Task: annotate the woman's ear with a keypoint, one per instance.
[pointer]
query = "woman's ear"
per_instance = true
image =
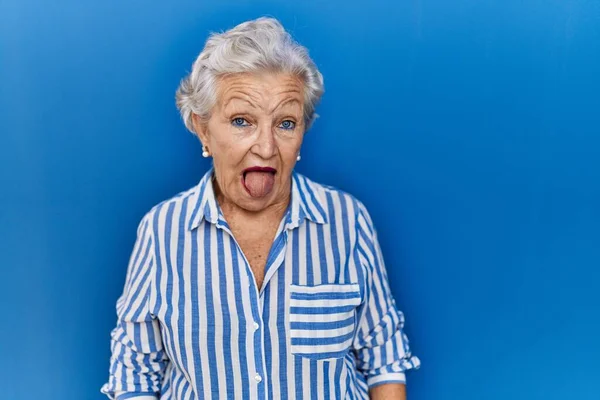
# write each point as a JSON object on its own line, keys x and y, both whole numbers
{"x": 201, "y": 128}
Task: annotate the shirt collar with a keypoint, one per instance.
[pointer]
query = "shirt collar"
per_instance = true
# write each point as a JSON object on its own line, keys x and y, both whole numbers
{"x": 307, "y": 202}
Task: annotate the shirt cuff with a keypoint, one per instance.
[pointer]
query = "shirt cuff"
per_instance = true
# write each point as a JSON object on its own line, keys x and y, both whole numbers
{"x": 388, "y": 377}
{"x": 136, "y": 396}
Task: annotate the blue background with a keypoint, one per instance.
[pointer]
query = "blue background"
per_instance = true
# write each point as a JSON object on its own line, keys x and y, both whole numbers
{"x": 470, "y": 129}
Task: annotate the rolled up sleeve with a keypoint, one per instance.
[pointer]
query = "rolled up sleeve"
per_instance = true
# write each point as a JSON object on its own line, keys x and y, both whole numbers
{"x": 380, "y": 345}
{"x": 138, "y": 360}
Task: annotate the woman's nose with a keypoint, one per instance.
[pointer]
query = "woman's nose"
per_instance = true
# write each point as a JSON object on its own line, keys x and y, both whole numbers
{"x": 265, "y": 142}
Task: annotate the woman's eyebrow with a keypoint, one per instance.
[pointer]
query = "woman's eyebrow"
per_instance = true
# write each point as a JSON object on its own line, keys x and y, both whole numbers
{"x": 285, "y": 102}
{"x": 241, "y": 98}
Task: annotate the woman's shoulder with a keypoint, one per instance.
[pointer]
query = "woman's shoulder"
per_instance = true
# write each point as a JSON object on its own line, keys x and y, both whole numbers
{"x": 172, "y": 204}
{"x": 335, "y": 199}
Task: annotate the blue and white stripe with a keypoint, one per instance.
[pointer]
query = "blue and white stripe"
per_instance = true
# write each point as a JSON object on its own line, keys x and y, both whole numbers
{"x": 192, "y": 323}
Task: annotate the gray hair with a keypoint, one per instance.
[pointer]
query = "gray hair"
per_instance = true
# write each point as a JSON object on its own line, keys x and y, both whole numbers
{"x": 252, "y": 46}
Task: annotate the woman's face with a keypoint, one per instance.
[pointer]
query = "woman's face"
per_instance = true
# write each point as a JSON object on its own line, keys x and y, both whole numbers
{"x": 254, "y": 135}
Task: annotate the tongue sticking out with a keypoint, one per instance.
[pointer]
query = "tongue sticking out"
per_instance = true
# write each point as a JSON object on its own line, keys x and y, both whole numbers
{"x": 259, "y": 184}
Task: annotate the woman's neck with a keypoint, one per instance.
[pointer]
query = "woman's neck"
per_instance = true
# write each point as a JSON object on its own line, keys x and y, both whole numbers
{"x": 233, "y": 212}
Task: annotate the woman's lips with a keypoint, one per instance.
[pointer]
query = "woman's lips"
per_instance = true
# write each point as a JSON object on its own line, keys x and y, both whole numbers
{"x": 259, "y": 181}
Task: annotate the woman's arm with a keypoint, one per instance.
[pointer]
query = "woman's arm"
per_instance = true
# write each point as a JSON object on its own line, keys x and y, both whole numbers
{"x": 380, "y": 345}
{"x": 388, "y": 391}
{"x": 138, "y": 360}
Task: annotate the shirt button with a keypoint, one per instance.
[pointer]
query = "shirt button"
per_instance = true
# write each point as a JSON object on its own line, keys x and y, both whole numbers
{"x": 256, "y": 326}
{"x": 258, "y": 378}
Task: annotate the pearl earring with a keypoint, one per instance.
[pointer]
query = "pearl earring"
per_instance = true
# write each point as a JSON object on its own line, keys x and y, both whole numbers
{"x": 298, "y": 158}
{"x": 205, "y": 152}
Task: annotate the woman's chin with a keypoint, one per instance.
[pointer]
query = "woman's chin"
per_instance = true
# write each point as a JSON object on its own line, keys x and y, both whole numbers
{"x": 255, "y": 204}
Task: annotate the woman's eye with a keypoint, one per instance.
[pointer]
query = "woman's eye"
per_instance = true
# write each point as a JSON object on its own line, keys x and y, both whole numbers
{"x": 239, "y": 122}
{"x": 287, "y": 124}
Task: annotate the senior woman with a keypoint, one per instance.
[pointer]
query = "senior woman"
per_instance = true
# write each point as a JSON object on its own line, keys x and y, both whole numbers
{"x": 257, "y": 283}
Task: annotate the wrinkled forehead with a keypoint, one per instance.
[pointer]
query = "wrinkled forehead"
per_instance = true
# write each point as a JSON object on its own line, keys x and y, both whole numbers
{"x": 266, "y": 91}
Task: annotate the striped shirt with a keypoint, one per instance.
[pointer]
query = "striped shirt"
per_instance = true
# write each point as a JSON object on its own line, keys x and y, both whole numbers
{"x": 192, "y": 323}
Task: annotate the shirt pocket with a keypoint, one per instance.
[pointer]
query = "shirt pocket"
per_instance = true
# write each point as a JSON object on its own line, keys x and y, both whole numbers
{"x": 323, "y": 319}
